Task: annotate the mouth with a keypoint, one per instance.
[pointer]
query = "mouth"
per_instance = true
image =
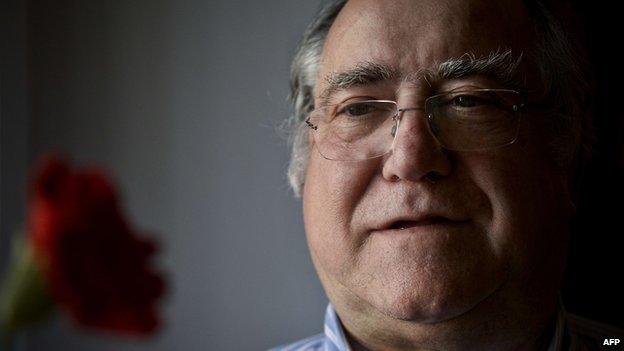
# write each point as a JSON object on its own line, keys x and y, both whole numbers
{"x": 419, "y": 223}
{"x": 405, "y": 224}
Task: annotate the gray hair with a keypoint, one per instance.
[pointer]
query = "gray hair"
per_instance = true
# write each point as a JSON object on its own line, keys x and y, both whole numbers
{"x": 561, "y": 63}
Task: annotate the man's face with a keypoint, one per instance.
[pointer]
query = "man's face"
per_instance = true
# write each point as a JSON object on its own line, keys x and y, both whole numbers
{"x": 491, "y": 221}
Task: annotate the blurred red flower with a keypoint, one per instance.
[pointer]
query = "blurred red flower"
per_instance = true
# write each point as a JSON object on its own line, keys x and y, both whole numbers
{"x": 95, "y": 265}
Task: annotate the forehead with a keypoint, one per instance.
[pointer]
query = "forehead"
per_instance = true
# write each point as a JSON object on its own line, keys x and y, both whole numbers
{"x": 411, "y": 35}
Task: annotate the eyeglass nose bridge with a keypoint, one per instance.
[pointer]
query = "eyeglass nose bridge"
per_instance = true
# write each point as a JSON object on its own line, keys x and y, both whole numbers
{"x": 399, "y": 115}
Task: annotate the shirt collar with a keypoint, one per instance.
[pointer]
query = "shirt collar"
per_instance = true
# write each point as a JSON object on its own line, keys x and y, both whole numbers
{"x": 556, "y": 343}
{"x": 335, "y": 339}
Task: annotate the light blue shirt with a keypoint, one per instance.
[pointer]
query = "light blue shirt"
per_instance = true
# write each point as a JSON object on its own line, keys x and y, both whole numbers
{"x": 332, "y": 339}
{"x": 570, "y": 334}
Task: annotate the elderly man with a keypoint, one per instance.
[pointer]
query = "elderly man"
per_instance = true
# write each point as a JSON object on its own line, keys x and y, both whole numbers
{"x": 435, "y": 151}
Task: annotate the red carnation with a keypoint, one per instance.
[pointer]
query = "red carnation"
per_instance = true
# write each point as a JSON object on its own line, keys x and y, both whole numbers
{"x": 94, "y": 264}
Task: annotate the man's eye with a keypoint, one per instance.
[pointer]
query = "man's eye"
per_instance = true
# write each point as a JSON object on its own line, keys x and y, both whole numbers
{"x": 468, "y": 101}
{"x": 359, "y": 109}
{"x": 474, "y": 100}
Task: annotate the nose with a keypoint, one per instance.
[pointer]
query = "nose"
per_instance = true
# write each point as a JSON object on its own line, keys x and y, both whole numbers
{"x": 416, "y": 155}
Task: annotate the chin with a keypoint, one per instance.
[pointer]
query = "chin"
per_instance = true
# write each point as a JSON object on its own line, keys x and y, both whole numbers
{"x": 432, "y": 311}
{"x": 438, "y": 302}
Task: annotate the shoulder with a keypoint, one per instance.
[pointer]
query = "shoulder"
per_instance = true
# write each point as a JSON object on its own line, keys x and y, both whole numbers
{"x": 312, "y": 343}
{"x": 586, "y": 334}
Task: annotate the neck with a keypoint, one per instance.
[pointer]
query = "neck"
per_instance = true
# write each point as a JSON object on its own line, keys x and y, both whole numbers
{"x": 539, "y": 343}
{"x": 499, "y": 322}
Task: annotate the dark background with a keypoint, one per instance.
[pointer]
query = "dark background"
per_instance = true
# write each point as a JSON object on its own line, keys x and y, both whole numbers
{"x": 592, "y": 285}
{"x": 179, "y": 101}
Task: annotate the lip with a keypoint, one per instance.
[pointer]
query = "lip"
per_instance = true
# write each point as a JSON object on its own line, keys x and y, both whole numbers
{"x": 421, "y": 221}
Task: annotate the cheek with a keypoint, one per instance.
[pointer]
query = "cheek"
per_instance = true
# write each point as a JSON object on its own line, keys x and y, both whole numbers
{"x": 505, "y": 223}
{"x": 331, "y": 192}
{"x": 525, "y": 198}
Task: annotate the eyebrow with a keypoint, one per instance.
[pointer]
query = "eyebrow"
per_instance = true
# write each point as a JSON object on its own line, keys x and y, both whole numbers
{"x": 364, "y": 73}
{"x": 501, "y": 67}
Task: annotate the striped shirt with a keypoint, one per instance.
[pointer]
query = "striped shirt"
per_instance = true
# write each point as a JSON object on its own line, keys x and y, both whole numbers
{"x": 332, "y": 339}
{"x": 572, "y": 333}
